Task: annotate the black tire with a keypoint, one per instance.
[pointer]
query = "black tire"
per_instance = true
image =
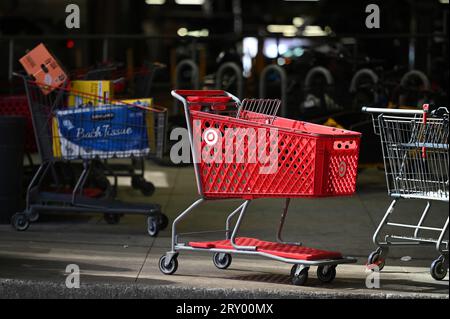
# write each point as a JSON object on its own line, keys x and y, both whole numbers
{"x": 153, "y": 227}
{"x": 222, "y": 260}
{"x": 326, "y": 274}
{"x": 171, "y": 268}
{"x": 301, "y": 278}
{"x": 376, "y": 259}
{"x": 147, "y": 188}
{"x": 163, "y": 222}
{"x": 20, "y": 222}
{"x": 33, "y": 217}
{"x": 136, "y": 182}
{"x": 112, "y": 219}
{"x": 438, "y": 269}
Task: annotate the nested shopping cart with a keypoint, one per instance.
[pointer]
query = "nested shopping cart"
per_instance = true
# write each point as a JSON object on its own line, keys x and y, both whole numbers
{"x": 96, "y": 128}
{"x": 415, "y": 152}
{"x": 137, "y": 82}
{"x": 229, "y": 140}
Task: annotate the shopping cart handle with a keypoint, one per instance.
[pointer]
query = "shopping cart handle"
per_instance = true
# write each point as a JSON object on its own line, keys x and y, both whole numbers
{"x": 182, "y": 95}
{"x": 390, "y": 111}
{"x": 187, "y": 93}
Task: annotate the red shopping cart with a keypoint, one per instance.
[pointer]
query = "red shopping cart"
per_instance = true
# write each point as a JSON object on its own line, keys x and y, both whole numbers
{"x": 242, "y": 150}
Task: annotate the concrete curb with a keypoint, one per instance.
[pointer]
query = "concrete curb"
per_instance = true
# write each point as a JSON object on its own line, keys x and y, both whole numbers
{"x": 26, "y": 289}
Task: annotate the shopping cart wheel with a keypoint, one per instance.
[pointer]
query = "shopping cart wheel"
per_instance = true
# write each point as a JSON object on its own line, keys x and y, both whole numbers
{"x": 301, "y": 278}
{"x": 438, "y": 268}
{"x": 112, "y": 219}
{"x": 33, "y": 216}
{"x": 20, "y": 221}
{"x": 169, "y": 269}
{"x": 153, "y": 226}
{"x": 327, "y": 273}
{"x": 146, "y": 188}
{"x": 163, "y": 222}
{"x": 377, "y": 258}
{"x": 222, "y": 260}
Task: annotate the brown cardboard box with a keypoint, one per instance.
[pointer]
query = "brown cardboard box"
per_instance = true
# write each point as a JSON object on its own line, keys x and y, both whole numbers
{"x": 43, "y": 68}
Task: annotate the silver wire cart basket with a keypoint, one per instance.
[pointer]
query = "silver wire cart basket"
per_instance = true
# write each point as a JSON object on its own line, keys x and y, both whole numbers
{"x": 415, "y": 153}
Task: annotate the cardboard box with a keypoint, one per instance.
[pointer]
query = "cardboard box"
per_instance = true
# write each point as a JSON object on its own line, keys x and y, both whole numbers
{"x": 91, "y": 93}
{"x": 43, "y": 68}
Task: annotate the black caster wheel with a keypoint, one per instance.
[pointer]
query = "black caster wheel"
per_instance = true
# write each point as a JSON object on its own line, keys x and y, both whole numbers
{"x": 169, "y": 269}
{"x": 112, "y": 219}
{"x": 33, "y": 217}
{"x": 147, "y": 188}
{"x": 20, "y": 222}
{"x": 153, "y": 226}
{"x": 136, "y": 182}
{"x": 163, "y": 222}
{"x": 326, "y": 274}
{"x": 301, "y": 278}
{"x": 377, "y": 258}
{"x": 222, "y": 260}
{"x": 438, "y": 269}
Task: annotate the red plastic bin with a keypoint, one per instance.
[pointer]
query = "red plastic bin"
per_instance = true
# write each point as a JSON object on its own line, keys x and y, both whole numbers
{"x": 312, "y": 160}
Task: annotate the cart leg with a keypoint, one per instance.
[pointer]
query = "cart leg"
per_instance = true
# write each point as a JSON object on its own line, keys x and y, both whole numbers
{"x": 228, "y": 228}
{"x": 37, "y": 180}
{"x": 236, "y": 229}
{"x": 439, "y": 248}
{"x": 81, "y": 181}
{"x": 174, "y": 227}
{"x": 422, "y": 219}
{"x": 383, "y": 222}
{"x": 378, "y": 256}
{"x": 280, "y": 227}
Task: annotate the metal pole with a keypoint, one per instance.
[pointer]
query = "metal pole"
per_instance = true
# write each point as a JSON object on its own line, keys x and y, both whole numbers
{"x": 412, "y": 39}
{"x": 105, "y": 50}
{"x": 237, "y": 14}
{"x": 11, "y": 60}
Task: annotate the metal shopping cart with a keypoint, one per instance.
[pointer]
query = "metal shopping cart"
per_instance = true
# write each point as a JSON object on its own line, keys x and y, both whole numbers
{"x": 76, "y": 127}
{"x": 415, "y": 152}
{"x": 305, "y": 160}
{"x": 138, "y": 83}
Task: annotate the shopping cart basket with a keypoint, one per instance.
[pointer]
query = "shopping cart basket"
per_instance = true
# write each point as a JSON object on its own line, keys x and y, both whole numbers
{"x": 415, "y": 152}
{"x": 138, "y": 83}
{"x": 306, "y": 160}
{"x": 95, "y": 128}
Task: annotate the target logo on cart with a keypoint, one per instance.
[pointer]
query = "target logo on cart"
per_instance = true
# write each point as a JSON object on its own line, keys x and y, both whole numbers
{"x": 211, "y": 137}
{"x": 342, "y": 169}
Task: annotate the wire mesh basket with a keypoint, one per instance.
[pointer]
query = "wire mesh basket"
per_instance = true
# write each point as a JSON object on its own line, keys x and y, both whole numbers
{"x": 75, "y": 125}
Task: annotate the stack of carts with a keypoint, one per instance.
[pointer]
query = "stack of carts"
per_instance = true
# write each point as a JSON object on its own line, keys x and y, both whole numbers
{"x": 98, "y": 128}
{"x": 415, "y": 152}
{"x": 229, "y": 139}
{"x": 140, "y": 82}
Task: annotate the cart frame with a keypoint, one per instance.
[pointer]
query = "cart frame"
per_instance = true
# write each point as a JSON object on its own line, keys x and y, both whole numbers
{"x": 222, "y": 257}
{"x": 38, "y": 199}
{"x": 419, "y": 182}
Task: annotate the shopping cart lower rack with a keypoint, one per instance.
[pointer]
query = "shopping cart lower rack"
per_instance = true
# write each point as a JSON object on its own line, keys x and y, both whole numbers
{"x": 415, "y": 151}
{"x": 69, "y": 136}
{"x": 242, "y": 150}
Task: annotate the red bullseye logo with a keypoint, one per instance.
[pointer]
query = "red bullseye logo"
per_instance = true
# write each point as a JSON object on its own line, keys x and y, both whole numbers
{"x": 342, "y": 169}
{"x": 211, "y": 137}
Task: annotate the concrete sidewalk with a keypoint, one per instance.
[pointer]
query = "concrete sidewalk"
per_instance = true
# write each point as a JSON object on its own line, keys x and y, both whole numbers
{"x": 121, "y": 260}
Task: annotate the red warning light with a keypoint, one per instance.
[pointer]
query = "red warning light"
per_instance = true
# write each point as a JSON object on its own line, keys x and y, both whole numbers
{"x": 70, "y": 44}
